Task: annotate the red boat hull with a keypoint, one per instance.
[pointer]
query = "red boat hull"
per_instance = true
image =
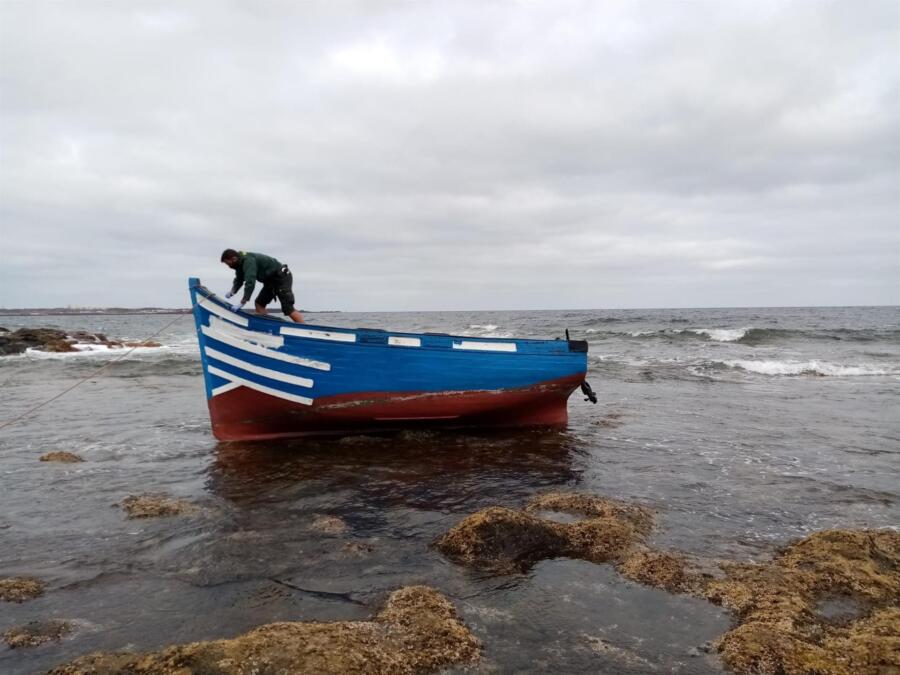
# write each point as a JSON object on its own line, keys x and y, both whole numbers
{"x": 245, "y": 414}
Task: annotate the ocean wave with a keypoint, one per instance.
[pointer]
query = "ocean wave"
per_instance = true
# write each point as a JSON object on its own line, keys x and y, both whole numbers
{"x": 756, "y": 336}
{"x": 816, "y": 368}
{"x": 721, "y": 334}
{"x": 748, "y": 335}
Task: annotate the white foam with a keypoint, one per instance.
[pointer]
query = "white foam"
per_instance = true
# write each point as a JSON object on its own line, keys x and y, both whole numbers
{"x": 773, "y": 367}
{"x": 721, "y": 334}
{"x": 92, "y": 350}
{"x": 484, "y": 330}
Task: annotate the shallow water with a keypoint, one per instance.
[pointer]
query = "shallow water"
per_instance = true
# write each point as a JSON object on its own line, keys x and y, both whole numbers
{"x": 743, "y": 428}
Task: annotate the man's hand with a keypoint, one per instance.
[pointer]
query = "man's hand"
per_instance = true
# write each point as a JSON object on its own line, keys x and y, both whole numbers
{"x": 236, "y": 307}
{"x": 229, "y": 294}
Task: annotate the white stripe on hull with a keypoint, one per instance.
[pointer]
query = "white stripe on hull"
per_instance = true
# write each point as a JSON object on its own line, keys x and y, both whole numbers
{"x": 212, "y": 307}
{"x": 225, "y": 387}
{"x": 260, "y": 338}
{"x": 263, "y": 351}
{"x": 485, "y": 346}
{"x": 397, "y": 341}
{"x": 260, "y": 387}
{"x": 258, "y": 370}
{"x": 319, "y": 334}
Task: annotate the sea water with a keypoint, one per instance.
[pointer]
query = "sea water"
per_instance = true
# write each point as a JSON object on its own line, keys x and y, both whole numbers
{"x": 743, "y": 428}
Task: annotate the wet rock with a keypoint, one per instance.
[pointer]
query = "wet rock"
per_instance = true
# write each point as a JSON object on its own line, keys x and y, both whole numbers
{"x": 358, "y": 440}
{"x": 54, "y": 340}
{"x": 418, "y": 631}
{"x": 18, "y": 341}
{"x": 780, "y": 629}
{"x": 155, "y": 506}
{"x": 670, "y": 571}
{"x": 828, "y": 604}
{"x": 507, "y": 540}
{"x": 357, "y": 548}
{"x": 503, "y": 540}
{"x": 61, "y": 456}
{"x": 329, "y": 525}
{"x": 593, "y": 506}
{"x": 20, "y": 589}
{"x": 37, "y": 633}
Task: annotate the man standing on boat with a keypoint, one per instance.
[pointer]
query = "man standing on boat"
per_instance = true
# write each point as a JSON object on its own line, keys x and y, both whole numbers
{"x": 276, "y": 279}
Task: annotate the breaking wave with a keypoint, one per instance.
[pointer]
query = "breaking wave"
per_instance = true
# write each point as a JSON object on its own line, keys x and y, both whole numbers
{"x": 815, "y": 368}
{"x": 89, "y": 351}
{"x": 721, "y": 334}
{"x": 484, "y": 330}
{"x": 754, "y": 336}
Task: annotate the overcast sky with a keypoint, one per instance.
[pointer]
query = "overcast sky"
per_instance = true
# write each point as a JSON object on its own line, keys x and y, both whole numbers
{"x": 453, "y": 155}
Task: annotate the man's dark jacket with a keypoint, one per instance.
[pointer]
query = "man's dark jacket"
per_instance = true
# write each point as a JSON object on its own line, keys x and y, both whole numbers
{"x": 254, "y": 267}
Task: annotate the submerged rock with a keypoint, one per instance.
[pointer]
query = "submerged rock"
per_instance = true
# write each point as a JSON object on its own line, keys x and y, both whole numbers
{"x": 625, "y": 657}
{"x": 357, "y": 548}
{"x": 20, "y": 589}
{"x": 61, "y": 456}
{"x": 155, "y": 506}
{"x": 611, "y": 421}
{"x": 418, "y": 631}
{"x": 502, "y": 539}
{"x": 329, "y": 525}
{"x": 670, "y": 571}
{"x": 37, "y": 633}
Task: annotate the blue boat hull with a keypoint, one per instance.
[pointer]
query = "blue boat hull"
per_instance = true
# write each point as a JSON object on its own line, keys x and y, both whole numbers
{"x": 267, "y": 378}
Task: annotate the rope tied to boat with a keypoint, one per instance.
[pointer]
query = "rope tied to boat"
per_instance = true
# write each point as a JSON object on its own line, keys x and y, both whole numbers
{"x": 93, "y": 374}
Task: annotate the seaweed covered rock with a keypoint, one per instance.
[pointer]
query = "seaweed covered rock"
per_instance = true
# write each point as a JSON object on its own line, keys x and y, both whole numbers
{"x": 61, "y": 456}
{"x": 155, "y": 506}
{"x": 20, "y": 589}
{"x": 502, "y": 539}
{"x": 416, "y": 632}
{"x": 782, "y": 628}
{"x": 36, "y": 633}
{"x": 670, "y": 571}
{"x": 828, "y": 604}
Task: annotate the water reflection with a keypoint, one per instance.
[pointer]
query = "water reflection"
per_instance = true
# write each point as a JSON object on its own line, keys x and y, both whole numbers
{"x": 441, "y": 471}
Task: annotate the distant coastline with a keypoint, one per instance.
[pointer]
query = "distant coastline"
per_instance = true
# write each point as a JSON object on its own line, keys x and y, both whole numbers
{"x": 90, "y": 311}
{"x": 110, "y": 311}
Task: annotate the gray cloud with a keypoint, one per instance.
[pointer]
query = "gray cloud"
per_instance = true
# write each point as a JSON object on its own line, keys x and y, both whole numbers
{"x": 453, "y": 155}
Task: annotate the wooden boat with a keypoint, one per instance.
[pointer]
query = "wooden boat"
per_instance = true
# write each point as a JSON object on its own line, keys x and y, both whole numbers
{"x": 270, "y": 378}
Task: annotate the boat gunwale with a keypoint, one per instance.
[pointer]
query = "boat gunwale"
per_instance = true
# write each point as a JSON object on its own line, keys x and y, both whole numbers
{"x": 279, "y": 322}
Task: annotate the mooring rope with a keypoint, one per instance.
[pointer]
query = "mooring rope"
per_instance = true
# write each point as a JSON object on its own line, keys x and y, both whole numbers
{"x": 88, "y": 377}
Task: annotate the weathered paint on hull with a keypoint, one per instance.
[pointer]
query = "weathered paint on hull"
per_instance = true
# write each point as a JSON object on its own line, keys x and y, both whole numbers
{"x": 245, "y": 414}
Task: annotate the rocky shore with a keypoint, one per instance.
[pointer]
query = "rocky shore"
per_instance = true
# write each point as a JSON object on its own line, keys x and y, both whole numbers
{"x": 828, "y": 604}
{"x": 418, "y": 631}
{"x": 55, "y": 340}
